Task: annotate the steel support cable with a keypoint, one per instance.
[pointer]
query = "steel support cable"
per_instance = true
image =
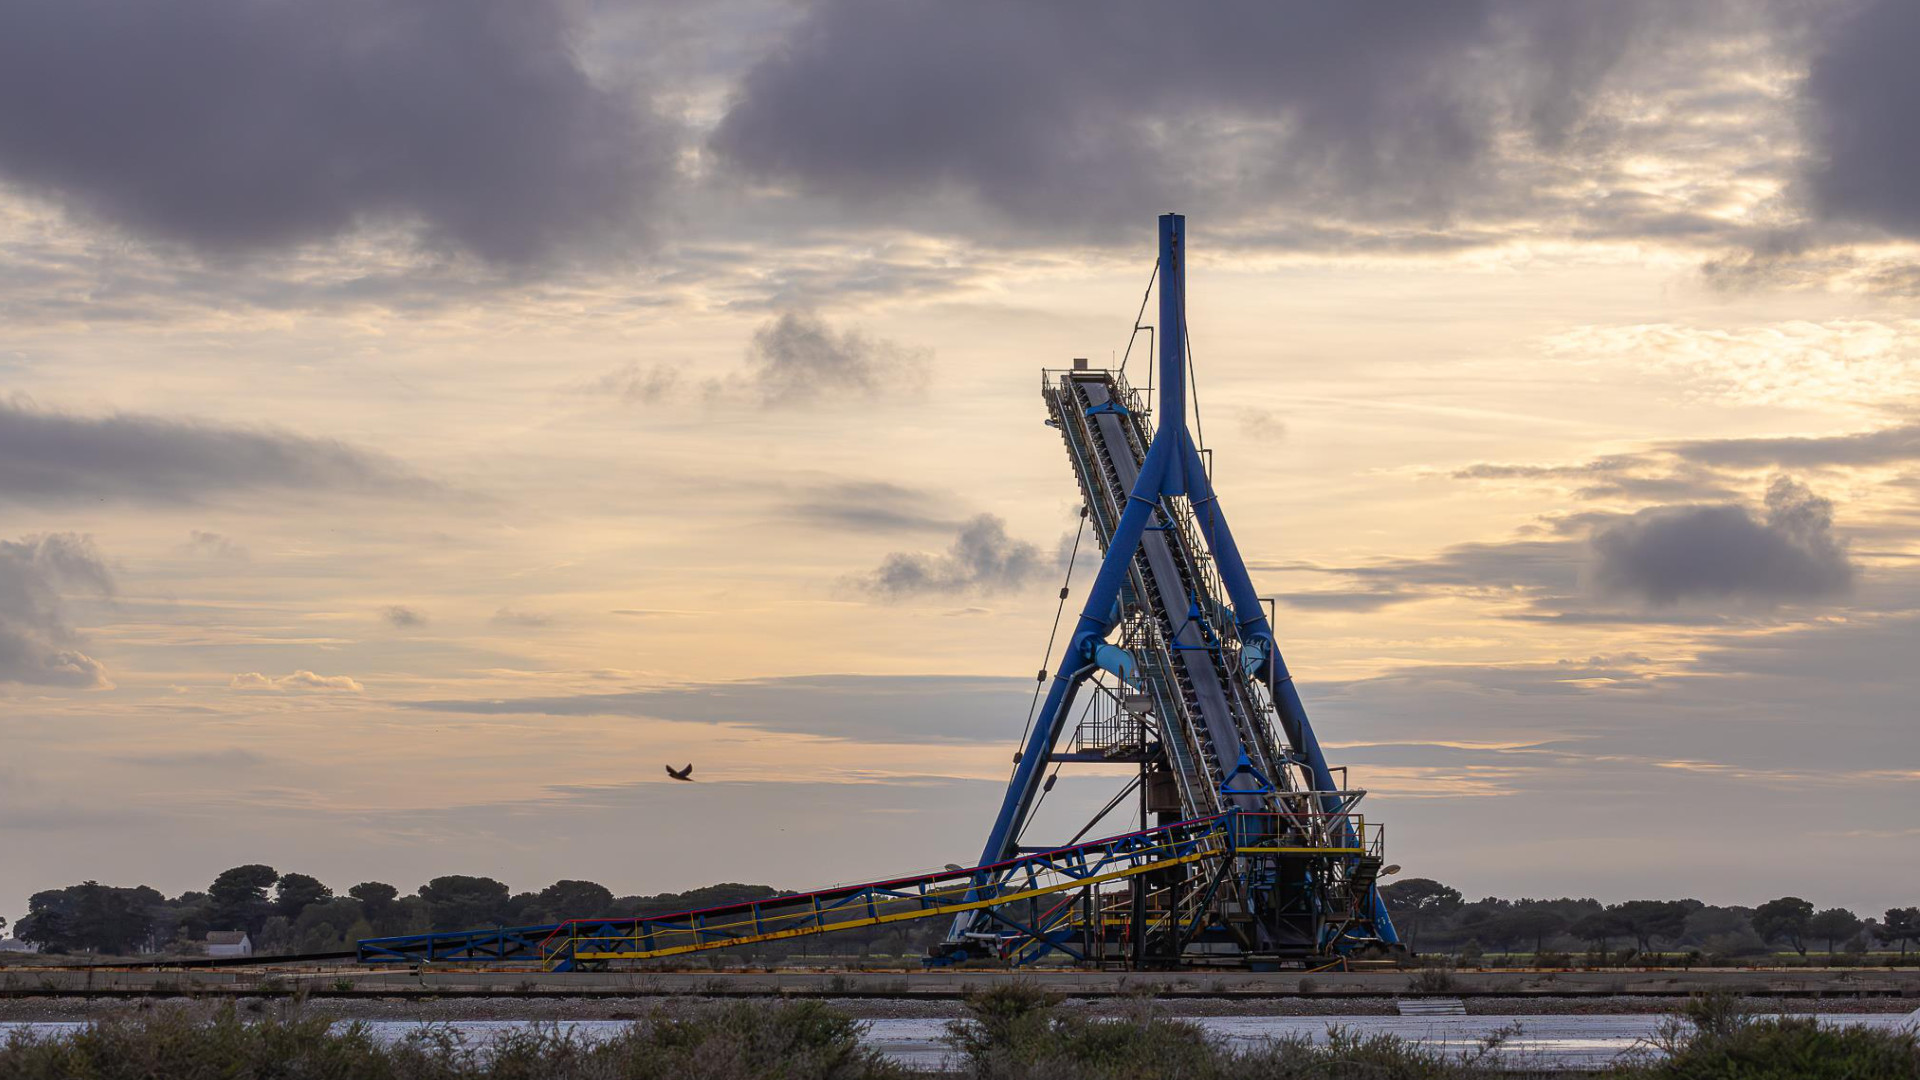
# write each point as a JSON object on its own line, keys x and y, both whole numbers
{"x": 1052, "y": 635}
{"x": 1139, "y": 315}
{"x": 1193, "y": 387}
{"x": 1045, "y": 790}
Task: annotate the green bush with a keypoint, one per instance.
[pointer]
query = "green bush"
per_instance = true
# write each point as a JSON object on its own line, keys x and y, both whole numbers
{"x": 1797, "y": 1048}
{"x": 1014, "y": 1032}
{"x": 1432, "y": 980}
{"x": 792, "y": 1041}
{"x": 1018, "y": 1033}
{"x": 1350, "y": 1055}
{"x": 1717, "y": 1037}
{"x": 170, "y": 1043}
{"x": 804, "y": 1041}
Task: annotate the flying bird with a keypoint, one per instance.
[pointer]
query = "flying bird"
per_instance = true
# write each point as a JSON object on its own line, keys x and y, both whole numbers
{"x": 681, "y": 774}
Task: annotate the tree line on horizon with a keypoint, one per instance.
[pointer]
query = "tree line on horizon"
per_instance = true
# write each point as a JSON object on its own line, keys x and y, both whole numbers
{"x": 1436, "y": 918}
{"x": 297, "y": 913}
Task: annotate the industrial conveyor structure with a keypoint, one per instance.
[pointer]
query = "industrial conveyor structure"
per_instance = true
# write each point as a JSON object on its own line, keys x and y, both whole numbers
{"x": 1175, "y": 667}
{"x": 1246, "y": 852}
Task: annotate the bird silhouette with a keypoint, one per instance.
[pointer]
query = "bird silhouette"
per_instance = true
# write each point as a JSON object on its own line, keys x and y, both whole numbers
{"x": 681, "y": 774}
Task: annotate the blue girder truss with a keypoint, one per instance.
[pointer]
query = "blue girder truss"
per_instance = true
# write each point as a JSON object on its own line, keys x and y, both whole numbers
{"x": 1001, "y": 888}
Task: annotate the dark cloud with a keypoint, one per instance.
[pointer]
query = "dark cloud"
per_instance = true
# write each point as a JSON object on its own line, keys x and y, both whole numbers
{"x": 1611, "y": 618}
{"x": 55, "y": 458}
{"x": 982, "y": 558}
{"x": 524, "y": 620}
{"x": 1489, "y": 470}
{"x": 638, "y": 384}
{"x": 403, "y": 617}
{"x": 1880, "y": 447}
{"x": 1264, "y": 425}
{"x": 1347, "y": 601}
{"x": 1677, "y": 553}
{"x": 797, "y": 357}
{"x": 213, "y": 545}
{"x": 1512, "y": 567}
{"x": 1063, "y": 117}
{"x": 36, "y": 641}
{"x": 1743, "y": 698}
{"x": 902, "y": 708}
{"x": 245, "y": 125}
{"x": 1863, "y": 90}
{"x": 1667, "y": 488}
{"x": 1704, "y": 470}
{"x": 1634, "y": 477}
{"x": 1590, "y": 563}
{"x": 868, "y": 506}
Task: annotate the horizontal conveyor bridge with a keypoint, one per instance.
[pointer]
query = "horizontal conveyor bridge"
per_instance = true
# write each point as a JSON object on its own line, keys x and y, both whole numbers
{"x": 1006, "y": 890}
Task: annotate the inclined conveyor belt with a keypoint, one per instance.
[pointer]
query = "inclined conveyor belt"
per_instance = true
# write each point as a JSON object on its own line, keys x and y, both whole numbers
{"x": 1206, "y": 692}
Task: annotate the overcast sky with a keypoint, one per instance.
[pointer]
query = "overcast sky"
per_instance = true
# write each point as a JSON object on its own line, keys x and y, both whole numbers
{"x": 421, "y": 420}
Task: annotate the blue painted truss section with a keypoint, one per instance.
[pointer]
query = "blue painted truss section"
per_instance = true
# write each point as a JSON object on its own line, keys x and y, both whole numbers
{"x": 1018, "y": 895}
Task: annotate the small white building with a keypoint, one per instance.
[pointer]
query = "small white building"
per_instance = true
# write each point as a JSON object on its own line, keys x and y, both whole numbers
{"x": 229, "y": 943}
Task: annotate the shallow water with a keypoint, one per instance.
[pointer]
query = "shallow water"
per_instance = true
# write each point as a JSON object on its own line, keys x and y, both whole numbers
{"x": 1543, "y": 1041}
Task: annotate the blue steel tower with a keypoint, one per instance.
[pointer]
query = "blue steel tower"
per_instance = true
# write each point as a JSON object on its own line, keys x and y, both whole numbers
{"x": 1188, "y": 683}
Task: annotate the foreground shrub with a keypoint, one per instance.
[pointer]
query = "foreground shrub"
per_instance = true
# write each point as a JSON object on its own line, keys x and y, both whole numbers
{"x": 1013, "y": 1032}
{"x": 804, "y": 1041}
{"x": 1019, "y": 1033}
{"x": 1433, "y": 980}
{"x": 1007, "y": 1026}
{"x": 797, "y": 1041}
{"x": 1717, "y": 1036}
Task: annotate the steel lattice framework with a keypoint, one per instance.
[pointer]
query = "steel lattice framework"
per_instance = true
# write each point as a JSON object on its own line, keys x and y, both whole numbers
{"x": 1190, "y": 683}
